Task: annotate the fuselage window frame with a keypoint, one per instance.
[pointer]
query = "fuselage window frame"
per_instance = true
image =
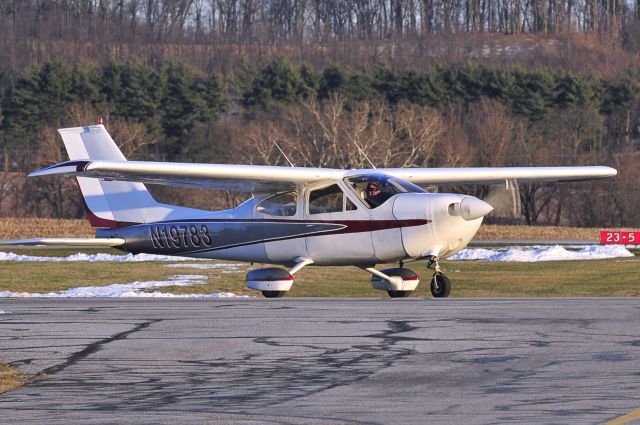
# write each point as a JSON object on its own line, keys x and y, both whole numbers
{"x": 279, "y": 209}
{"x": 325, "y": 211}
{"x": 350, "y": 204}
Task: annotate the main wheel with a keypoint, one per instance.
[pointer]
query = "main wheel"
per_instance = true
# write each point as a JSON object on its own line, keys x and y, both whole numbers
{"x": 440, "y": 285}
{"x": 273, "y": 294}
{"x": 399, "y": 294}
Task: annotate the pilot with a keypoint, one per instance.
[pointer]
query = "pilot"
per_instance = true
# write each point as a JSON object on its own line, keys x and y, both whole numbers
{"x": 374, "y": 195}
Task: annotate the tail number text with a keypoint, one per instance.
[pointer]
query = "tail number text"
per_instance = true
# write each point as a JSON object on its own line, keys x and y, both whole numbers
{"x": 180, "y": 236}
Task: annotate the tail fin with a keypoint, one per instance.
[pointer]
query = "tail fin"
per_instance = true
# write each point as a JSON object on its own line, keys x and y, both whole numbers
{"x": 114, "y": 203}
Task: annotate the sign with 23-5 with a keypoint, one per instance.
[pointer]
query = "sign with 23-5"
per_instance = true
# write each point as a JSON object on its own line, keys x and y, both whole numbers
{"x": 615, "y": 237}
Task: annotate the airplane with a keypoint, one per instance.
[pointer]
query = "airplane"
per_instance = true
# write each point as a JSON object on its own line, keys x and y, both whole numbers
{"x": 296, "y": 216}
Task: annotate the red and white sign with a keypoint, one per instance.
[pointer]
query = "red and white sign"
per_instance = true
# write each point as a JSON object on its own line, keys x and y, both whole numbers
{"x": 615, "y": 237}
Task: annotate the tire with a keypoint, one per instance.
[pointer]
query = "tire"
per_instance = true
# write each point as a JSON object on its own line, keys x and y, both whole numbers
{"x": 273, "y": 294}
{"x": 440, "y": 286}
{"x": 399, "y": 294}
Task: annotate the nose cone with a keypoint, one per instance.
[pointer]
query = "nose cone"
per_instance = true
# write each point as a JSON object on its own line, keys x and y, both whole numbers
{"x": 472, "y": 208}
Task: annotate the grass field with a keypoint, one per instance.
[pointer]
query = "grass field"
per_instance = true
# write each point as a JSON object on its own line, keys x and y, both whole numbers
{"x": 10, "y": 378}
{"x": 612, "y": 277}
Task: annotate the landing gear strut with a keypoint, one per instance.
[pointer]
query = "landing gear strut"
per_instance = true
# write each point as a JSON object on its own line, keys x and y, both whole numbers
{"x": 440, "y": 284}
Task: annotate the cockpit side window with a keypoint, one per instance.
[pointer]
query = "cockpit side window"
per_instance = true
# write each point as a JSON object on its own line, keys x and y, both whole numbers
{"x": 326, "y": 200}
{"x": 281, "y": 204}
{"x": 376, "y": 189}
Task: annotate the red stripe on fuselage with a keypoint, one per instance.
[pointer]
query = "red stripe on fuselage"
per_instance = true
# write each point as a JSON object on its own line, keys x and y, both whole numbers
{"x": 351, "y": 226}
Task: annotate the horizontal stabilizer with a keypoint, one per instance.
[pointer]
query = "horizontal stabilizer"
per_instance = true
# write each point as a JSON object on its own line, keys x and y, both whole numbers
{"x": 79, "y": 242}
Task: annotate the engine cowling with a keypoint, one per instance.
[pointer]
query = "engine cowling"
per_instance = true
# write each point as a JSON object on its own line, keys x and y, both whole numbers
{"x": 452, "y": 221}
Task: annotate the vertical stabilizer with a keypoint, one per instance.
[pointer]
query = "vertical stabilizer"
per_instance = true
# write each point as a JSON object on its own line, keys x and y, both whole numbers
{"x": 114, "y": 203}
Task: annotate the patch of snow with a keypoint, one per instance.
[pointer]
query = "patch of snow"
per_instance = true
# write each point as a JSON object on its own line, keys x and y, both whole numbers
{"x": 134, "y": 289}
{"x": 543, "y": 253}
{"x": 10, "y": 256}
{"x": 224, "y": 267}
{"x": 4, "y": 312}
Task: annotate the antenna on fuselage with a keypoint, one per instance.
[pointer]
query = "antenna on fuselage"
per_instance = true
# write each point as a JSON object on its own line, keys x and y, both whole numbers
{"x": 364, "y": 154}
{"x": 283, "y": 154}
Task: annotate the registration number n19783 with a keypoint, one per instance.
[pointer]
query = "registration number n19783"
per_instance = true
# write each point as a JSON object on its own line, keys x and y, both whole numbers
{"x": 180, "y": 236}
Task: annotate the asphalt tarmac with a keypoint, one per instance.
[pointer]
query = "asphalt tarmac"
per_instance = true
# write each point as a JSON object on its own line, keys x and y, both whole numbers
{"x": 323, "y": 361}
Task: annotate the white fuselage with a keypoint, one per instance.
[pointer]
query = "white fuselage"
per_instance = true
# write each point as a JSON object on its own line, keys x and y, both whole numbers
{"x": 405, "y": 227}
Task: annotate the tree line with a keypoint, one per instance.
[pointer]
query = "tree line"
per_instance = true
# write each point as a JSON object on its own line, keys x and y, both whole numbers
{"x": 219, "y": 35}
{"x": 448, "y": 115}
{"x": 308, "y": 20}
{"x": 172, "y": 99}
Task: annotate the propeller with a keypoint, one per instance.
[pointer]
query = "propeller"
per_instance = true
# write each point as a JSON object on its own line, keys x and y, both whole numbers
{"x": 472, "y": 208}
{"x": 505, "y": 199}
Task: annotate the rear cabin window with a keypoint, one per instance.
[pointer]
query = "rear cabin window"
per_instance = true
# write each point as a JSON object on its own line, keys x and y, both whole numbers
{"x": 326, "y": 200}
{"x": 282, "y": 204}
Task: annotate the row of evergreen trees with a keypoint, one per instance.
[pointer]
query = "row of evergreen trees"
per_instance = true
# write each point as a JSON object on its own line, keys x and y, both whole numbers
{"x": 171, "y": 99}
{"x": 530, "y": 93}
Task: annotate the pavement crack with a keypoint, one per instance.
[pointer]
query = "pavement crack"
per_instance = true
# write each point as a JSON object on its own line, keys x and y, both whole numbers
{"x": 322, "y": 367}
{"x": 88, "y": 350}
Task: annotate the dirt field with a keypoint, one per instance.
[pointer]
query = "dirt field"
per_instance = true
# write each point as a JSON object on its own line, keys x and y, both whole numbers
{"x": 20, "y": 228}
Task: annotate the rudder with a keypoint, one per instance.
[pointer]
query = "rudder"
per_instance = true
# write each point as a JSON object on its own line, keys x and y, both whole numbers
{"x": 114, "y": 203}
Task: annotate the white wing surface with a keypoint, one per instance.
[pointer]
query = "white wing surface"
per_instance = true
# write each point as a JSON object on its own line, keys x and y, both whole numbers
{"x": 424, "y": 176}
{"x": 258, "y": 178}
{"x": 243, "y": 178}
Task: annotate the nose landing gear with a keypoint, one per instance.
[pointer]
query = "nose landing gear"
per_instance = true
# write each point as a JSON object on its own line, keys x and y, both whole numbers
{"x": 440, "y": 284}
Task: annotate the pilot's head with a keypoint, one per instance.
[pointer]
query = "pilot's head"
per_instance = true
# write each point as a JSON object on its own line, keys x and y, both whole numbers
{"x": 373, "y": 188}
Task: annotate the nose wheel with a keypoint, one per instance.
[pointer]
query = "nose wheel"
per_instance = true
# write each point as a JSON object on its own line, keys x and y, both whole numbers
{"x": 440, "y": 284}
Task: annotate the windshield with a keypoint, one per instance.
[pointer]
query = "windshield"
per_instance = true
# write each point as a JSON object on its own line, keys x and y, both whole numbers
{"x": 376, "y": 189}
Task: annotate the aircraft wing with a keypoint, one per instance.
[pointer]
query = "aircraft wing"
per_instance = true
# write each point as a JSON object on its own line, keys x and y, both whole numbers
{"x": 243, "y": 178}
{"x": 488, "y": 175}
{"x": 259, "y": 178}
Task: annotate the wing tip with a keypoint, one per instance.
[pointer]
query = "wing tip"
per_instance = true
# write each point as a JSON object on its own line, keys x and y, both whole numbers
{"x": 66, "y": 167}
